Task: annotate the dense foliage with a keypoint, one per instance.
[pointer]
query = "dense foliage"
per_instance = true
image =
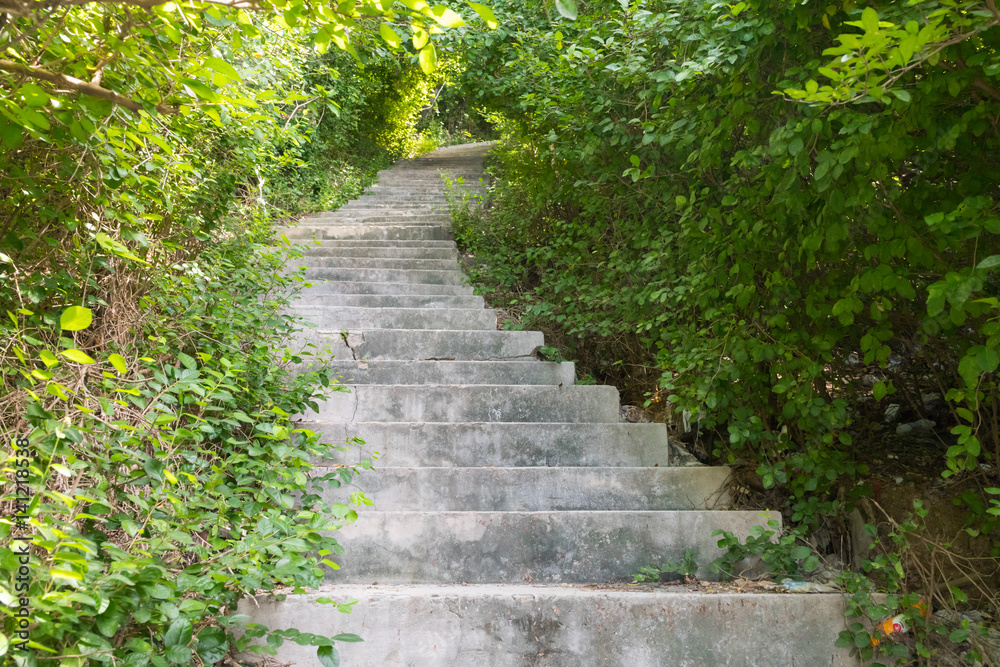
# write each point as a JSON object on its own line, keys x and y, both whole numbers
{"x": 145, "y": 397}
{"x": 790, "y": 211}
{"x": 768, "y": 252}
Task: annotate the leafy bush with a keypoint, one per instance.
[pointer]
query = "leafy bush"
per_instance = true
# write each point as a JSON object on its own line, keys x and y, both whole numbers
{"x": 145, "y": 390}
{"x": 766, "y": 251}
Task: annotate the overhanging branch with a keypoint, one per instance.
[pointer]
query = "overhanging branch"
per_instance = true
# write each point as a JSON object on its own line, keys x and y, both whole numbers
{"x": 84, "y": 87}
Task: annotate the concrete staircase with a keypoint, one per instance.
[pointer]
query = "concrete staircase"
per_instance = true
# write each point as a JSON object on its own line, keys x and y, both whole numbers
{"x": 511, "y": 505}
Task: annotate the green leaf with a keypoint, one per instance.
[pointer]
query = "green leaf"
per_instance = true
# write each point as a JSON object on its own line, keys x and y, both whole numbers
{"x": 187, "y": 361}
{"x": 179, "y": 655}
{"x": 118, "y": 361}
{"x": 567, "y": 8}
{"x": 958, "y": 635}
{"x": 390, "y": 36}
{"x": 987, "y": 358}
{"x": 486, "y": 14}
{"x": 77, "y": 356}
{"x": 178, "y": 634}
{"x": 222, "y": 67}
{"x": 989, "y": 262}
{"x": 428, "y": 59}
{"x": 869, "y": 20}
{"x": 446, "y": 16}
{"x": 347, "y": 637}
{"x": 76, "y": 318}
{"x": 329, "y": 656}
{"x": 198, "y": 89}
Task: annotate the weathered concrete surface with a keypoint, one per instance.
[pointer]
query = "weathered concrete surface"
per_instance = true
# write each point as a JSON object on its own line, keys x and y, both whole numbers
{"x": 469, "y": 403}
{"x": 537, "y": 489}
{"x": 503, "y": 444}
{"x": 425, "y": 344}
{"x": 350, "y": 318}
{"x": 385, "y": 371}
{"x": 563, "y": 626}
{"x": 387, "y": 232}
{"x": 431, "y": 277}
{"x": 396, "y": 252}
{"x": 379, "y": 263}
{"x": 377, "y": 243}
{"x": 390, "y": 300}
{"x": 319, "y": 287}
{"x": 526, "y": 547}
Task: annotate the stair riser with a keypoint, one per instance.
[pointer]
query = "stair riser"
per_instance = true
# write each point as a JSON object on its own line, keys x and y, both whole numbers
{"x": 351, "y": 319}
{"x": 454, "y": 372}
{"x": 526, "y": 547}
{"x": 384, "y": 253}
{"x": 394, "y": 220}
{"x": 492, "y": 626}
{"x": 320, "y": 287}
{"x": 429, "y": 277}
{"x": 378, "y": 263}
{"x": 543, "y": 489}
{"x": 372, "y": 232}
{"x": 503, "y": 445}
{"x": 469, "y": 403}
{"x": 391, "y": 301}
{"x": 376, "y": 243}
{"x": 403, "y": 344}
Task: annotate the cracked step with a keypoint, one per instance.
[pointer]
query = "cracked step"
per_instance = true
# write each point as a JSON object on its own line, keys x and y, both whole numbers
{"x": 534, "y": 489}
{"x": 468, "y": 403}
{"x": 427, "y": 344}
{"x": 411, "y": 547}
{"x": 396, "y": 372}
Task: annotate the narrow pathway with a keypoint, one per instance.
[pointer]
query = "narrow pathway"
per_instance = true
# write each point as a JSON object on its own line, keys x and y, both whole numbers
{"x": 511, "y": 505}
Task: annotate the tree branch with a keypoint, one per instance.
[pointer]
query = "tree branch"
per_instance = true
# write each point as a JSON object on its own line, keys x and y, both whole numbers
{"x": 79, "y": 86}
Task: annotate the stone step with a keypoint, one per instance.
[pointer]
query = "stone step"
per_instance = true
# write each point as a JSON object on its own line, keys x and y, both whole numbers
{"x": 371, "y": 232}
{"x": 348, "y": 220}
{"x": 387, "y": 371}
{"x": 327, "y": 262}
{"x": 562, "y": 626}
{"x": 357, "y": 204}
{"x": 382, "y": 214}
{"x": 350, "y": 318}
{"x": 410, "y": 547}
{"x": 537, "y": 489}
{"x": 388, "y": 252}
{"x": 391, "y": 301}
{"x": 411, "y": 198}
{"x": 406, "y": 190}
{"x": 377, "y": 243}
{"x": 430, "y": 277}
{"x": 318, "y": 287}
{"x": 430, "y": 344}
{"x": 511, "y": 444}
{"x": 468, "y": 403}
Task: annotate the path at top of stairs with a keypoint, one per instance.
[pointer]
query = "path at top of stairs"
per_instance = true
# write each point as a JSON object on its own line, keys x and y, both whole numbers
{"x": 511, "y": 506}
